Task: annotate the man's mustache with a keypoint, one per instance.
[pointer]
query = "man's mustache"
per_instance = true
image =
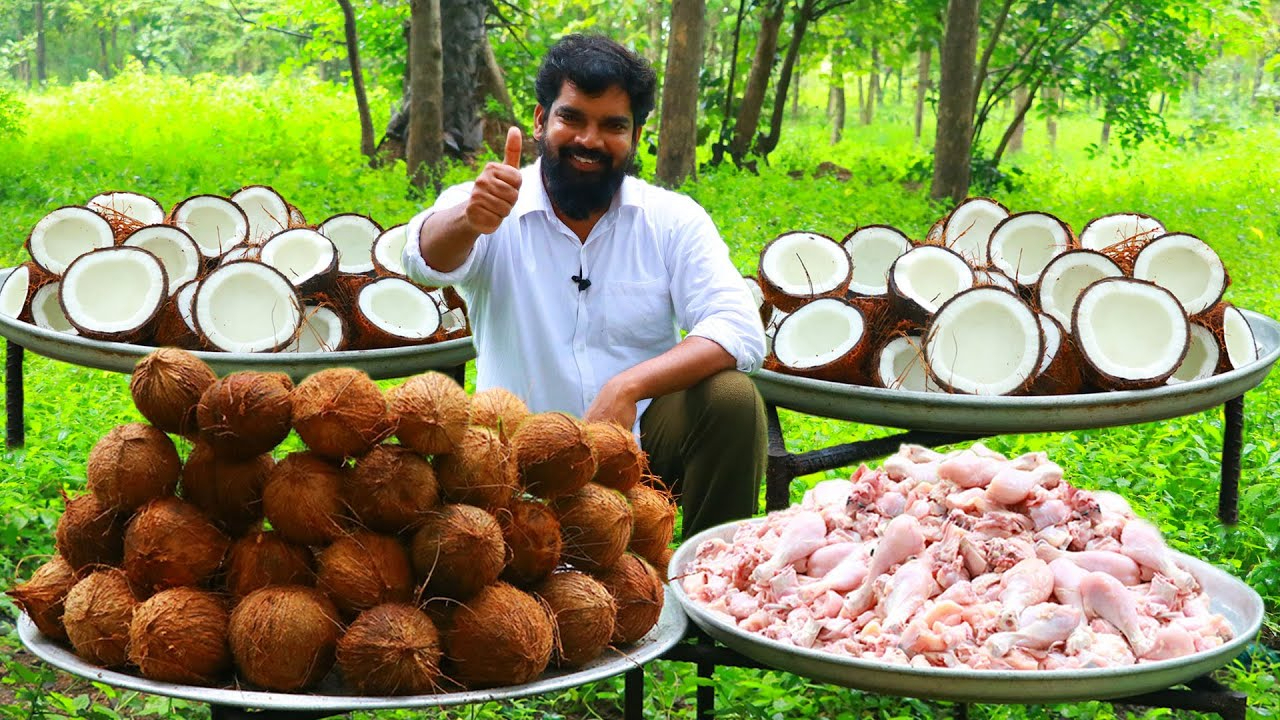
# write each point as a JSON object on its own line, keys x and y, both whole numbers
{"x": 582, "y": 152}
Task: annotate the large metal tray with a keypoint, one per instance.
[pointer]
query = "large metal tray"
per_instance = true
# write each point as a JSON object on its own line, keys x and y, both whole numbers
{"x": 671, "y": 627}
{"x": 993, "y": 415}
{"x": 121, "y": 357}
{"x": 1235, "y": 600}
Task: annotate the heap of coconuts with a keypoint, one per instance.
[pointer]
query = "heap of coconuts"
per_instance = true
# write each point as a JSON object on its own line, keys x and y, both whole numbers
{"x": 238, "y": 273}
{"x": 998, "y": 303}
{"x": 423, "y": 541}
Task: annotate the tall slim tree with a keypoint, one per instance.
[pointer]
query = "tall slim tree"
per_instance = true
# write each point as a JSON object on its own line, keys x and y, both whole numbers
{"x": 357, "y": 77}
{"x": 678, "y": 133}
{"x": 954, "y": 136}
{"x": 749, "y": 111}
{"x": 41, "y": 67}
{"x": 425, "y": 147}
{"x": 462, "y": 24}
{"x": 922, "y": 83}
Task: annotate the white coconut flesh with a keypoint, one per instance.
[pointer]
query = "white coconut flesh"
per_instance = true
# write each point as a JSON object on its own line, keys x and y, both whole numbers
{"x": 1024, "y": 244}
{"x": 321, "y": 331}
{"x": 804, "y": 264}
{"x": 138, "y": 207}
{"x": 1129, "y": 329}
{"x": 873, "y": 250}
{"x": 1242, "y": 349}
{"x": 968, "y": 228}
{"x": 994, "y": 278}
{"x": 265, "y": 210}
{"x": 389, "y": 247}
{"x": 67, "y": 233}
{"x": 113, "y": 290}
{"x": 46, "y": 311}
{"x": 174, "y": 248}
{"x": 985, "y": 341}
{"x": 818, "y": 333}
{"x": 1103, "y": 232}
{"x": 930, "y": 276}
{"x": 1202, "y": 357}
{"x": 353, "y": 235}
{"x": 453, "y": 321}
{"x": 246, "y": 307}
{"x": 215, "y": 223}
{"x": 240, "y": 252}
{"x": 399, "y": 308}
{"x": 186, "y": 299}
{"x": 1067, "y": 276}
{"x": 300, "y": 254}
{"x": 757, "y": 295}
{"x": 296, "y": 217}
{"x": 902, "y": 367}
{"x": 13, "y": 294}
{"x": 1185, "y": 266}
{"x": 1052, "y": 337}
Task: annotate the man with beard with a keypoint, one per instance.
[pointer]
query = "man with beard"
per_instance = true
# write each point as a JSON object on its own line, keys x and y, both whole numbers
{"x": 576, "y": 275}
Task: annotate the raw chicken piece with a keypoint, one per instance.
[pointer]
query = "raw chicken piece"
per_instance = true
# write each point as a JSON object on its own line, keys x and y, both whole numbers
{"x": 1104, "y": 597}
{"x": 1028, "y": 583}
{"x": 968, "y": 469}
{"x": 1011, "y": 485}
{"x": 1066, "y": 581}
{"x": 910, "y": 587}
{"x": 822, "y": 560}
{"x": 1141, "y": 541}
{"x": 805, "y": 532}
{"x": 827, "y": 493}
{"x": 1170, "y": 642}
{"x": 901, "y": 540}
{"x": 848, "y": 574}
{"x": 1121, "y": 567}
{"x": 1039, "y": 627}
{"x": 1030, "y": 461}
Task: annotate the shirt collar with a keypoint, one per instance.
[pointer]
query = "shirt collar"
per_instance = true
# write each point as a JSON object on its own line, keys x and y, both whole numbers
{"x": 533, "y": 194}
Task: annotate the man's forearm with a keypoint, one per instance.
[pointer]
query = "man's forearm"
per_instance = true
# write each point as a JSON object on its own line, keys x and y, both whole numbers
{"x": 691, "y": 361}
{"x": 446, "y": 239}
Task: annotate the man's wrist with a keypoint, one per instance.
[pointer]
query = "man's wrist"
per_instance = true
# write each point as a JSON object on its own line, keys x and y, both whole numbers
{"x": 628, "y": 387}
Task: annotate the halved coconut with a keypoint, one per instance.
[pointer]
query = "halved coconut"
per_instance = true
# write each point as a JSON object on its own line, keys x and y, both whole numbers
{"x": 826, "y": 339}
{"x": 18, "y": 289}
{"x": 1107, "y": 230}
{"x": 1131, "y": 333}
{"x": 765, "y": 309}
{"x": 296, "y": 218}
{"x": 387, "y": 250}
{"x": 353, "y": 235}
{"x": 246, "y": 306}
{"x": 265, "y": 209}
{"x": 1024, "y": 243}
{"x": 1235, "y": 336}
{"x": 873, "y": 249}
{"x": 247, "y": 251}
{"x": 984, "y": 341}
{"x": 454, "y": 322}
{"x": 967, "y": 230}
{"x": 1185, "y": 266}
{"x": 1202, "y": 357}
{"x": 114, "y": 293}
{"x": 797, "y": 267}
{"x": 65, "y": 234}
{"x": 322, "y": 331}
{"x": 122, "y": 208}
{"x": 392, "y": 311}
{"x": 214, "y": 222}
{"x": 176, "y": 325}
{"x": 899, "y": 365}
{"x": 307, "y": 258}
{"x": 1059, "y": 372}
{"x": 1066, "y": 276}
{"x": 924, "y": 278}
{"x": 46, "y": 309}
{"x": 991, "y": 277}
{"x": 174, "y": 248}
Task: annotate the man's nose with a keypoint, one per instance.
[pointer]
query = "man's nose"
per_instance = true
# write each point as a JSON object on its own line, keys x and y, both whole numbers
{"x": 591, "y": 138}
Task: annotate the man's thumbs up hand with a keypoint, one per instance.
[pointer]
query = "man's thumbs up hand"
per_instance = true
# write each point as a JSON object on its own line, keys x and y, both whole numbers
{"x": 497, "y": 188}
{"x": 515, "y": 143}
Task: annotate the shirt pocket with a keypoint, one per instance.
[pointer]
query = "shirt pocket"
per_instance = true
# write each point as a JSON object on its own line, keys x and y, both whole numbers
{"x": 638, "y": 314}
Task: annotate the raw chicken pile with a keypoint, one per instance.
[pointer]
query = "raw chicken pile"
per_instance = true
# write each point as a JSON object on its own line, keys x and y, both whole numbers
{"x": 962, "y": 560}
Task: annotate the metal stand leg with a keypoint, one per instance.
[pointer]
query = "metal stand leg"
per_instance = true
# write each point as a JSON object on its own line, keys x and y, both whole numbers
{"x": 15, "y": 415}
{"x": 1232, "y": 444}
{"x": 633, "y": 695}
{"x": 962, "y": 711}
{"x": 459, "y": 374}
{"x": 706, "y": 692}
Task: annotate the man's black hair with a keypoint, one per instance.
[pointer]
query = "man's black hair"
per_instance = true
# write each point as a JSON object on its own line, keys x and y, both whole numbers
{"x": 594, "y": 63}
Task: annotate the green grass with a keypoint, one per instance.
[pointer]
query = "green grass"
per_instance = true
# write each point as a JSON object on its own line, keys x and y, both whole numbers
{"x": 172, "y": 138}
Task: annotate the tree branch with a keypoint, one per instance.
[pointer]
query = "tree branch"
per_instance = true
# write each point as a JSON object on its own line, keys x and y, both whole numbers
{"x": 980, "y": 76}
{"x": 285, "y": 31}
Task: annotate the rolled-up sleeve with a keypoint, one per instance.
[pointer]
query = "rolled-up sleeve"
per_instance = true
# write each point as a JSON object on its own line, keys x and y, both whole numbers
{"x": 417, "y": 268}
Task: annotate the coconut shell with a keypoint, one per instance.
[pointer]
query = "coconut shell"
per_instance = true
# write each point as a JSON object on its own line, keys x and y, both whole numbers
{"x": 170, "y": 543}
{"x": 775, "y": 296}
{"x": 584, "y": 614}
{"x": 303, "y": 499}
{"x": 172, "y": 330}
{"x": 481, "y": 470}
{"x": 654, "y": 514}
{"x": 1063, "y": 375}
{"x": 532, "y": 534}
{"x": 1214, "y": 319}
{"x": 99, "y": 610}
{"x": 340, "y": 413}
{"x": 37, "y": 277}
{"x": 431, "y": 412}
{"x": 391, "y": 649}
{"x": 554, "y": 455}
{"x": 595, "y": 525}
{"x": 363, "y": 570}
{"x": 620, "y": 461}
{"x": 499, "y": 409}
{"x": 284, "y": 638}
{"x": 228, "y": 491}
{"x": 264, "y": 559}
{"x": 637, "y": 589}
{"x": 245, "y": 413}
{"x": 502, "y": 636}
{"x": 391, "y": 489}
{"x": 180, "y": 636}
{"x": 458, "y": 551}
{"x": 42, "y": 597}
{"x": 166, "y": 387}
{"x": 132, "y": 464}
{"x": 89, "y": 533}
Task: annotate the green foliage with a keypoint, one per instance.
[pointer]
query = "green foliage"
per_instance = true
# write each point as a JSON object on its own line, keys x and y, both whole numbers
{"x": 11, "y": 113}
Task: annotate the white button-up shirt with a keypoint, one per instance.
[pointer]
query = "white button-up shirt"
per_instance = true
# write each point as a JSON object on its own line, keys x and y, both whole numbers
{"x": 655, "y": 261}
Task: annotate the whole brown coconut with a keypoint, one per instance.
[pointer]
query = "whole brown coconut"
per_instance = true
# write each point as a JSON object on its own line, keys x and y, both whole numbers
{"x": 502, "y": 636}
{"x": 554, "y": 456}
{"x": 584, "y": 614}
{"x": 245, "y": 413}
{"x": 132, "y": 464}
{"x": 303, "y": 499}
{"x": 431, "y": 412}
{"x": 637, "y": 589}
{"x": 89, "y": 533}
{"x": 532, "y": 534}
{"x": 620, "y": 462}
{"x": 228, "y": 491}
{"x": 595, "y": 525}
{"x": 262, "y": 559}
{"x": 42, "y": 597}
{"x": 166, "y": 387}
{"x": 98, "y": 612}
{"x": 391, "y": 489}
{"x": 391, "y": 649}
{"x": 654, "y": 513}
{"x": 458, "y": 551}
{"x": 664, "y": 562}
{"x": 498, "y": 409}
{"x": 180, "y": 636}
{"x": 284, "y": 638}
{"x": 170, "y": 543}
{"x": 340, "y": 413}
{"x": 481, "y": 471}
{"x": 363, "y": 570}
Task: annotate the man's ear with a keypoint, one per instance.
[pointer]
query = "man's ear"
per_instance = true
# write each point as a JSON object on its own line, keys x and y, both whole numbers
{"x": 539, "y": 121}
{"x": 635, "y": 135}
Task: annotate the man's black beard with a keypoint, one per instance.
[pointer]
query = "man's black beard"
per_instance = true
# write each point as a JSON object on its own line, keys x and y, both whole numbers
{"x": 579, "y": 194}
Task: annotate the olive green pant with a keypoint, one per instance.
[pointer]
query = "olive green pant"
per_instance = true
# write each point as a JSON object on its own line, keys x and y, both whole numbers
{"x": 708, "y": 445}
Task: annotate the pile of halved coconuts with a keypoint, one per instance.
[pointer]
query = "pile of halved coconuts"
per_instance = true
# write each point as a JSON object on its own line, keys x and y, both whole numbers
{"x": 243, "y": 273}
{"x": 485, "y": 545}
{"x": 1000, "y": 303}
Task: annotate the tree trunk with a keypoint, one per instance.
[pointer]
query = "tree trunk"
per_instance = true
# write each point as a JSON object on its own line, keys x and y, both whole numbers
{"x": 875, "y": 92}
{"x": 1258, "y": 69}
{"x": 718, "y": 147}
{"x": 654, "y": 31}
{"x": 804, "y": 14}
{"x": 1163, "y": 99}
{"x": 1020, "y": 97}
{"x": 954, "y": 136}
{"x": 898, "y": 71}
{"x": 795, "y": 99}
{"x": 1105, "y": 137}
{"x": 462, "y": 28}
{"x": 757, "y": 82}
{"x": 835, "y": 107}
{"x": 1050, "y": 98}
{"x": 357, "y": 78}
{"x": 104, "y": 60}
{"x": 41, "y": 67}
{"x": 922, "y": 85}
{"x": 678, "y": 132}
{"x": 425, "y": 146}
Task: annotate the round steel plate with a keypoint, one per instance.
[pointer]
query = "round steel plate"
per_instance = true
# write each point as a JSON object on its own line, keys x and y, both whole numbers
{"x": 991, "y": 415}
{"x": 1235, "y": 600}
{"x": 670, "y": 629}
